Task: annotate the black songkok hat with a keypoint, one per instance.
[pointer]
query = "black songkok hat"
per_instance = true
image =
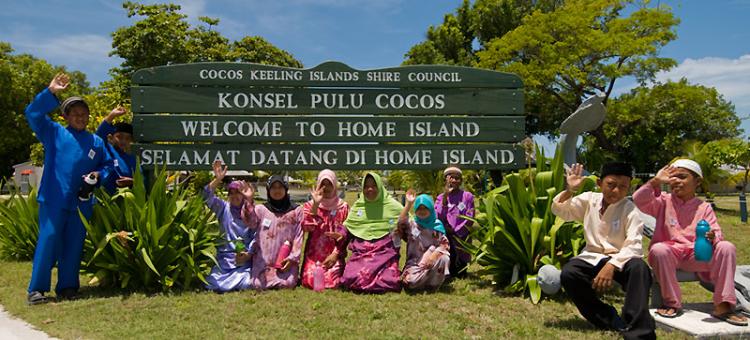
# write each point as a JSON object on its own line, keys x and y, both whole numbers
{"x": 124, "y": 127}
{"x": 617, "y": 168}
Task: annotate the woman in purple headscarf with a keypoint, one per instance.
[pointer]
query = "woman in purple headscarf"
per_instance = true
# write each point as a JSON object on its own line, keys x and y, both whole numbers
{"x": 233, "y": 270}
{"x": 278, "y": 223}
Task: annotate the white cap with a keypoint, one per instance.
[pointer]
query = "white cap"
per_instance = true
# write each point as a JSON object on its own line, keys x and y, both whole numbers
{"x": 548, "y": 279}
{"x": 688, "y": 164}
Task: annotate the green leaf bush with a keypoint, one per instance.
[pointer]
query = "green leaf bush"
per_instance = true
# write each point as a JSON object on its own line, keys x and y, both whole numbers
{"x": 161, "y": 241}
{"x": 19, "y": 226}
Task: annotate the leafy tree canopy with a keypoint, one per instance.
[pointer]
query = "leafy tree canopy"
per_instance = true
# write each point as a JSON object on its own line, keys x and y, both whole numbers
{"x": 649, "y": 126}
{"x": 22, "y": 76}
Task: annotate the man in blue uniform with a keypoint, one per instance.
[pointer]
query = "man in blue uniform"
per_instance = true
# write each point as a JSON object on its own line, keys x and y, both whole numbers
{"x": 119, "y": 138}
{"x": 70, "y": 153}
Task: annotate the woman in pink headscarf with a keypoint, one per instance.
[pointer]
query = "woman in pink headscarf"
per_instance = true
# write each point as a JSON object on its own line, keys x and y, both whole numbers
{"x": 323, "y": 218}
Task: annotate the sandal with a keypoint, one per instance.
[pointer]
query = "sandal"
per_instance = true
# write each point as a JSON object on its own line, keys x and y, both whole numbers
{"x": 669, "y": 312}
{"x": 732, "y": 318}
{"x": 36, "y": 298}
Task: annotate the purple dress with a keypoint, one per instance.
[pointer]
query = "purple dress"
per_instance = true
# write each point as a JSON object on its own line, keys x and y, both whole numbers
{"x": 372, "y": 266}
{"x": 227, "y": 276}
{"x": 422, "y": 243}
{"x": 459, "y": 202}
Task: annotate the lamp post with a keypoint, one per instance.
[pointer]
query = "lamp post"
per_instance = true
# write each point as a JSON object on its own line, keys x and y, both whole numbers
{"x": 743, "y": 202}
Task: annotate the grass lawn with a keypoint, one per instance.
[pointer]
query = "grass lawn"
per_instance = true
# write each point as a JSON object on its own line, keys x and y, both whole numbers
{"x": 467, "y": 308}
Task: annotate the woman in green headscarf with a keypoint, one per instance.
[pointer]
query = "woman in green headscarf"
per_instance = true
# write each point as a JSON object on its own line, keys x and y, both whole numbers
{"x": 373, "y": 240}
{"x": 428, "y": 249}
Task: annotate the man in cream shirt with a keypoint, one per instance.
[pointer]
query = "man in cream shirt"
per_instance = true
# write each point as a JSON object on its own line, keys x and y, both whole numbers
{"x": 612, "y": 228}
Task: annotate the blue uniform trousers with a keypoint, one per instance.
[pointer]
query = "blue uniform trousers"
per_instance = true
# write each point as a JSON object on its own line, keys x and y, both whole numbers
{"x": 61, "y": 237}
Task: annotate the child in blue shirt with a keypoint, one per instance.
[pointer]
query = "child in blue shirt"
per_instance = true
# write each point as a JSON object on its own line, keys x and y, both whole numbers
{"x": 70, "y": 154}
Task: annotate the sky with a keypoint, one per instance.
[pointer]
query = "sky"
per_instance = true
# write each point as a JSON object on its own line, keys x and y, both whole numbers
{"x": 712, "y": 48}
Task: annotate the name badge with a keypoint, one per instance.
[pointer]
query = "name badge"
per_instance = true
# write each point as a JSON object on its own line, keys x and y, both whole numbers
{"x": 117, "y": 164}
{"x": 415, "y": 232}
{"x": 360, "y": 212}
{"x": 461, "y": 206}
{"x": 333, "y": 213}
{"x": 615, "y": 225}
{"x": 266, "y": 223}
{"x": 92, "y": 153}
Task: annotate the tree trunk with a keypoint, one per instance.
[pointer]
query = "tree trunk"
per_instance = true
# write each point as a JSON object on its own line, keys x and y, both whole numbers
{"x": 602, "y": 140}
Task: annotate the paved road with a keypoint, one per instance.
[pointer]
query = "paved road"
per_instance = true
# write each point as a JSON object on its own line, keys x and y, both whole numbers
{"x": 12, "y": 328}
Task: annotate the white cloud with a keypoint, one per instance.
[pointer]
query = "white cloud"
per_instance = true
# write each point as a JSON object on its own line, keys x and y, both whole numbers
{"x": 193, "y": 9}
{"x": 73, "y": 49}
{"x": 377, "y": 5}
{"x": 88, "y": 53}
{"x": 731, "y": 77}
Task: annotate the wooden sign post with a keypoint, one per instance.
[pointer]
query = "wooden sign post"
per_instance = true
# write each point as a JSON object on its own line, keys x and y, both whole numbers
{"x": 254, "y": 116}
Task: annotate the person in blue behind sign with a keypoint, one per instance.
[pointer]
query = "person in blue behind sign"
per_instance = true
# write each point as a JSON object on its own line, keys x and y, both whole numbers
{"x": 70, "y": 154}
{"x": 119, "y": 138}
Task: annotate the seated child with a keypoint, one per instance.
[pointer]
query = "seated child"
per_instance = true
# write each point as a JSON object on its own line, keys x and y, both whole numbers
{"x": 613, "y": 233}
{"x": 677, "y": 214}
{"x": 428, "y": 249}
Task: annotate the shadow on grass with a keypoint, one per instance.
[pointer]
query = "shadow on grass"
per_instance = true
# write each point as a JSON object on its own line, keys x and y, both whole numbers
{"x": 727, "y": 212}
{"x": 478, "y": 281}
{"x": 95, "y": 292}
{"x": 560, "y": 298}
{"x": 574, "y": 324}
{"x": 445, "y": 288}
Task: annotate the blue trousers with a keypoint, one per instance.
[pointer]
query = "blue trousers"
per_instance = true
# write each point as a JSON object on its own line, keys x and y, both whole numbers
{"x": 61, "y": 237}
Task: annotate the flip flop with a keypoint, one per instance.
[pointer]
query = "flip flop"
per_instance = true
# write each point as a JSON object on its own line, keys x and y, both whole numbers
{"x": 676, "y": 313}
{"x": 727, "y": 317}
{"x": 36, "y": 298}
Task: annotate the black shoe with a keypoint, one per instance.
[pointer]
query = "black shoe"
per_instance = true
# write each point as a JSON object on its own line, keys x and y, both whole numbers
{"x": 67, "y": 294}
{"x": 618, "y": 324}
{"x": 36, "y": 298}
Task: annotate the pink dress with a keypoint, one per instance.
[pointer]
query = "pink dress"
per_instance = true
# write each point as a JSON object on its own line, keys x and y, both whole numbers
{"x": 319, "y": 246}
{"x": 272, "y": 230}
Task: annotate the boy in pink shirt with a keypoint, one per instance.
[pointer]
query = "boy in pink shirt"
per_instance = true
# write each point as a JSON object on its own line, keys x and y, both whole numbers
{"x": 677, "y": 214}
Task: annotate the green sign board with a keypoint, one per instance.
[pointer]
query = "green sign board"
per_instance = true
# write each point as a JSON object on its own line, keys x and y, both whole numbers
{"x": 329, "y": 74}
{"x": 258, "y": 100}
{"x": 250, "y": 114}
{"x": 243, "y": 129}
{"x": 333, "y": 156}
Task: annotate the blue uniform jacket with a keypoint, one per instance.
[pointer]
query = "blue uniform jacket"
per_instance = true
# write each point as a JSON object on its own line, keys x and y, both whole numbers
{"x": 124, "y": 163}
{"x": 68, "y": 154}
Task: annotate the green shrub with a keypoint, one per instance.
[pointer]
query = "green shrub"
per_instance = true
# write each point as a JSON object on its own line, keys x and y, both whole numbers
{"x": 517, "y": 231}
{"x": 161, "y": 241}
{"x": 19, "y": 226}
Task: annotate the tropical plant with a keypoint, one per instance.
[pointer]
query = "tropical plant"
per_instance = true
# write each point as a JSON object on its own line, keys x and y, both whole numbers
{"x": 160, "y": 241}
{"x": 706, "y": 155}
{"x": 19, "y": 226}
{"x": 517, "y": 231}
{"x": 425, "y": 181}
{"x": 734, "y": 152}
